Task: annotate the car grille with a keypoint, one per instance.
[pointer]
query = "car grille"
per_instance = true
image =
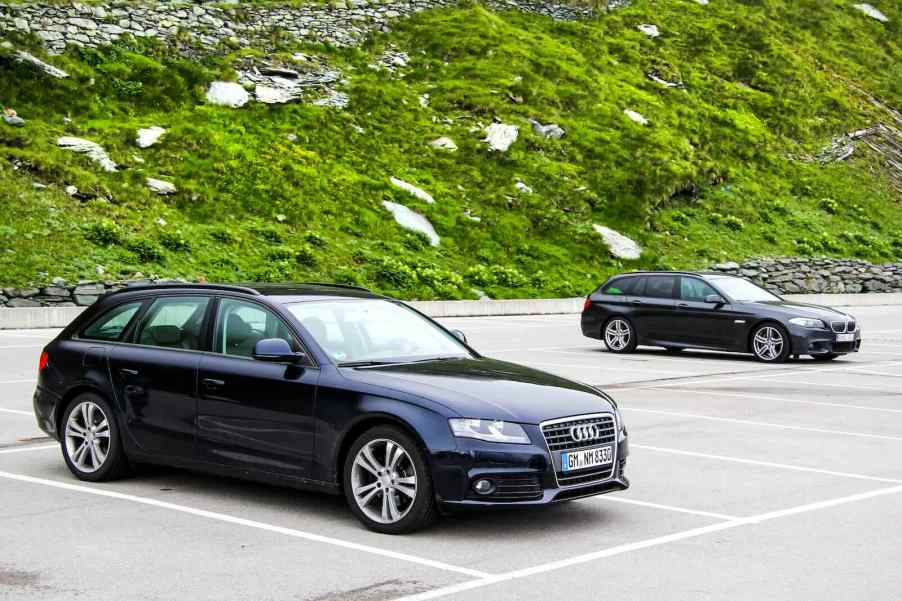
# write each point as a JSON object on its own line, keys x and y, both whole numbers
{"x": 558, "y": 437}
{"x": 840, "y": 327}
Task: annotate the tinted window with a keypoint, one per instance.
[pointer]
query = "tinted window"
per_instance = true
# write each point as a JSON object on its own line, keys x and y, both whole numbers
{"x": 174, "y": 322}
{"x": 694, "y": 289}
{"x": 621, "y": 286}
{"x": 240, "y": 325}
{"x": 111, "y": 324}
{"x": 659, "y": 286}
{"x": 743, "y": 290}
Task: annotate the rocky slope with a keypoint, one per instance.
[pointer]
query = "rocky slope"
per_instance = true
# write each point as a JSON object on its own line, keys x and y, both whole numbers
{"x": 463, "y": 150}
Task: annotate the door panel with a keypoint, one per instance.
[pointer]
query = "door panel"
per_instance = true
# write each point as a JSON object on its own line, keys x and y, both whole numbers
{"x": 156, "y": 389}
{"x": 654, "y": 309}
{"x": 155, "y": 381}
{"x": 705, "y": 324}
{"x": 255, "y": 415}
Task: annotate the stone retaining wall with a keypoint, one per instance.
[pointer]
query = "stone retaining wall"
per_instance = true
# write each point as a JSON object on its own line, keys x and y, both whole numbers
{"x": 812, "y": 276}
{"x": 341, "y": 23}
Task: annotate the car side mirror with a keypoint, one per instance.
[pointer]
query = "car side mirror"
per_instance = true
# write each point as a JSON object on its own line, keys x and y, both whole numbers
{"x": 715, "y": 299}
{"x": 276, "y": 350}
{"x": 460, "y": 335}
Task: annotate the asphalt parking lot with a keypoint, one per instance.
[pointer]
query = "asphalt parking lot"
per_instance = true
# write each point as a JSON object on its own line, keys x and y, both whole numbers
{"x": 749, "y": 481}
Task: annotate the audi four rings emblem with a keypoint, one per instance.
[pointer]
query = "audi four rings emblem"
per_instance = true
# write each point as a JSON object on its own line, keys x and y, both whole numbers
{"x": 585, "y": 432}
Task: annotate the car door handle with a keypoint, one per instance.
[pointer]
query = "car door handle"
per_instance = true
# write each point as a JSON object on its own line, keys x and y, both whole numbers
{"x": 637, "y": 302}
{"x": 211, "y": 384}
{"x": 125, "y": 371}
{"x": 683, "y": 306}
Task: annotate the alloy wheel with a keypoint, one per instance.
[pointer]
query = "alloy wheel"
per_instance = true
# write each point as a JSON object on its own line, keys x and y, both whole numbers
{"x": 384, "y": 481}
{"x": 87, "y": 437}
{"x": 768, "y": 343}
{"x": 617, "y": 335}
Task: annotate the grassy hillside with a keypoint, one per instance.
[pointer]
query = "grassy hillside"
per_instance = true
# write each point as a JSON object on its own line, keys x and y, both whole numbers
{"x": 708, "y": 178}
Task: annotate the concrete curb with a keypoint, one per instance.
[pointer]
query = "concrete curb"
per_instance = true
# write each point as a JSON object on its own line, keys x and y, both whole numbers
{"x": 58, "y": 317}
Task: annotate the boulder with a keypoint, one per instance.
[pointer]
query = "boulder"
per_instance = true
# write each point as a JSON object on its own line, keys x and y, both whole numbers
{"x": 620, "y": 246}
{"x": 92, "y": 149}
{"x": 163, "y": 188}
{"x": 412, "y": 220}
{"x": 552, "y": 130}
{"x": 149, "y": 136}
{"x": 14, "y": 120}
{"x": 444, "y": 143}
{"x": 411, "y": 189}
{"x": 634, "y": 116}
{"x": 22, "y": 302}
{"x": 25, "y": 57}
{"x": 872, "y": 12}
{"x": 227, "y": 93}
{"x": 500, "y": 136}
{"x": 649, "y": 30}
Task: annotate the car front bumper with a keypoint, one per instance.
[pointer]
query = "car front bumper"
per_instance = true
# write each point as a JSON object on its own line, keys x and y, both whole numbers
{"x": 524, "y": 475}
{"x": 822, "y": 342}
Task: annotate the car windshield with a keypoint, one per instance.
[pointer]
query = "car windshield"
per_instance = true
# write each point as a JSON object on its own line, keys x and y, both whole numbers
{"x": 742, "y": 290}
{"x": 374, "y": 331}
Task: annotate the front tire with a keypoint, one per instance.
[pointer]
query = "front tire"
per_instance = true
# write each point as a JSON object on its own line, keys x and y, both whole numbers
{"x": 90, "y": 440}
{"x": 770, "y": 343}
{"x": 387, "y": 482}
{"x": 619, "y": 335}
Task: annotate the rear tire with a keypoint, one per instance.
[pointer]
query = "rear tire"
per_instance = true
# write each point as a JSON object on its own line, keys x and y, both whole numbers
{"x": 770, "y": 343}
{"x": 90, "y": 440}
{"x": 825, "y": 357}
{"x": 387, "y": 482}
{"x": 619, "y": 335}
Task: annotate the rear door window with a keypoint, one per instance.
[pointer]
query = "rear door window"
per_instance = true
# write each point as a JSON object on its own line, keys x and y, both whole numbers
{"x": 111, "y": 324}
{"x": 659, "y": 286}
{"x": 174, "y": 322}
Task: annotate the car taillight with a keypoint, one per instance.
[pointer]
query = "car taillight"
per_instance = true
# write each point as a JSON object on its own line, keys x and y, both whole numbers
{"x": 42, "y": 362}
{"x": 587, "y": 303}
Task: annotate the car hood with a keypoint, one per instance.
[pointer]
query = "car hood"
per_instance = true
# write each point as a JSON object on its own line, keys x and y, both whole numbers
{"x": 487, "y": 389}
{"x": 791, "y": 309}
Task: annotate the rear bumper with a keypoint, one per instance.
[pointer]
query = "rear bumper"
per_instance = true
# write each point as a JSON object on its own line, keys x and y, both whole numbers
{"x": 45, "y": 402}
{"x": 822, "y": 342}
{"x": 524, "y": 475}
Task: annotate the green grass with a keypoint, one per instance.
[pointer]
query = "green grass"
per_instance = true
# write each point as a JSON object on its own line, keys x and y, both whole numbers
{"x": 707, "y": 180}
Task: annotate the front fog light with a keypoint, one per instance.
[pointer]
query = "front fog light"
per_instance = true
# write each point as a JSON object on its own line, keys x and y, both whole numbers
{"x": 484, "y": 486}
{"x": 622, "y": 435}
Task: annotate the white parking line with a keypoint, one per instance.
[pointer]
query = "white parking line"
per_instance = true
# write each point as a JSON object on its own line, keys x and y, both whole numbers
{"x": 26, "y": 449}
{"x": 610, "y": 368}
{"x": 761, "y": 397}
{"x": 784, "y": 466}
{"x": 18, "y": 346}
{"x": 795, "y": 380}
{"x": 644, "y": 544}
{"x": 17, "y": 411}
{"x": 618, "y": 499}
{"x": 870, "y": 372}
{"x": 747, "y": 422}
{"x": 222, "y": 517}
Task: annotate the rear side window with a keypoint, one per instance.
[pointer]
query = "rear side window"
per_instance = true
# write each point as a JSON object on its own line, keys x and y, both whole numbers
{"x": 174, "y": 322}
{"x": 621, "y": 286}
{"x": 659, "y": 286}
{"x": 111, "y": 324}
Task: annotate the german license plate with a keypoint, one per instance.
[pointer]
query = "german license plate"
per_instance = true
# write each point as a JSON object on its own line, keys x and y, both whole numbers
{"x": 586, "y": 458}
{"x": 845, "y": 337}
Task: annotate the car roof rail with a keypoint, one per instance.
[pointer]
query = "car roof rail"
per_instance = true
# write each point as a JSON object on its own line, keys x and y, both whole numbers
{"x": 330, "y": 285}
{"x": 186, "y": 285}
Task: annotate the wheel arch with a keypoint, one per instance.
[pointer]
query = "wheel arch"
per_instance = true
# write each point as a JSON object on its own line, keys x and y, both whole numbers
{"x": 767, "y": 321}
{"x": 67, "y": 398}
{"x": 364, "y": 424}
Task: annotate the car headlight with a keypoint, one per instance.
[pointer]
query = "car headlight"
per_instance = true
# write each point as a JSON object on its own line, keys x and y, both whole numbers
{"x": 806, "y": 322}
{"x": 489, "y": 430}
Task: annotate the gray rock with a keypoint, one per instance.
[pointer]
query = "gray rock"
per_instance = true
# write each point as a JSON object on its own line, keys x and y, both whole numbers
{"x": 83, "y": 300}
{"x": 227, "y": 93}
{"x": 552, "y": 130}
{"x": 93, "y": 150}
{"x": 147, "y": 137}
{"x": 14, "y": 120}
{"x": 89, "y": 288}
{"x": 163, "y": 188}
{"x": 57, "y": 291}
{"x": 22, "y": 302}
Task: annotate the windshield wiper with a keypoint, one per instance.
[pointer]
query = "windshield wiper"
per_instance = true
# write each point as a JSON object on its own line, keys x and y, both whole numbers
{"x": 365, "y": 363}
{"x": 448, "y": 358}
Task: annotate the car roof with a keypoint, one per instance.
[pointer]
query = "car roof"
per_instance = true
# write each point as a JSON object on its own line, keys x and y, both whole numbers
{"x": 700, "y": 274}
{"x": 282, "y": 292}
